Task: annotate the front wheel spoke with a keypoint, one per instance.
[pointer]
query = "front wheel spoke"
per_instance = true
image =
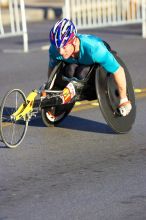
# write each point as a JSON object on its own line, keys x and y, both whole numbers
{"x": 13, "y": 133}
{"x": 16, "y": 101}
{"x": 7, "y": 111}
{"x": 6, "y": 119}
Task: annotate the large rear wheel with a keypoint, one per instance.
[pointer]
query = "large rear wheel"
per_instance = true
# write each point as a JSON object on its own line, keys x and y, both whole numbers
{"x": 108, "y": 98}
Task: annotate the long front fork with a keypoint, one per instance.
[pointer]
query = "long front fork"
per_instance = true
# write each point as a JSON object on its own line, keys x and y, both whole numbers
{"x": 25, "y": 109}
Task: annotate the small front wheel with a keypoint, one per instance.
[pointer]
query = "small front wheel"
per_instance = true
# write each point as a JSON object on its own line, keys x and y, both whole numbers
{"x": 12, "y": 131}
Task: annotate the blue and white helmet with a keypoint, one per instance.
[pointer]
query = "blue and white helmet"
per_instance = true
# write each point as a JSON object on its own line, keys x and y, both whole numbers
{"x": 63, "y": 31}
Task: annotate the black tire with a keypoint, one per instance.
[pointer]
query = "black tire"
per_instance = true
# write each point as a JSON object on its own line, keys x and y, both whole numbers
{"x": 108, "y": 98}
{"x": 52, "y": 116}
{"x": 12, "y": 132}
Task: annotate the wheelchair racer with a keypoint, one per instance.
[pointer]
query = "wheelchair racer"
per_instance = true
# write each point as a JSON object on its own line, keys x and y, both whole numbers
{"x": 80, "y": 51}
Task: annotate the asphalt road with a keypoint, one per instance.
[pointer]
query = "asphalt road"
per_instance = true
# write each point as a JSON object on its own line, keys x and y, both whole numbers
{"x": 80, "y": 170}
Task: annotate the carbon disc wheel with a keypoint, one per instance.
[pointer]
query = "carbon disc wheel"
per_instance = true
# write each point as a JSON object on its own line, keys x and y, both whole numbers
{"x": 108, "y": 98}
{"x": 12, "y": 131}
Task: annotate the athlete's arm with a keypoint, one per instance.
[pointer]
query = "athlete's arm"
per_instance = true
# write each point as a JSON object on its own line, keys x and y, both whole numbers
{"x": 105, "y": 58}
{"x": 120, "y": 80}
{"x": 108, "y": 61}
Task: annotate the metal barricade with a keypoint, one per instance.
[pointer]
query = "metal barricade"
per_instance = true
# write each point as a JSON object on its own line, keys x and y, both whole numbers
{"x": 144, "y": 18}
{"x": 102, "y": 13}
{"x": 16, "y": 21}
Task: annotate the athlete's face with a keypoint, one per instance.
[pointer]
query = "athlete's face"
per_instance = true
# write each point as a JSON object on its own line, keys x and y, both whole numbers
{"x": 67, "y": 51}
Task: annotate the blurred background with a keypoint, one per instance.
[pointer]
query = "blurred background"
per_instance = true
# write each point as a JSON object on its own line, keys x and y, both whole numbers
{"x": 36, "y": 10}
{"x": 17, "y": 14}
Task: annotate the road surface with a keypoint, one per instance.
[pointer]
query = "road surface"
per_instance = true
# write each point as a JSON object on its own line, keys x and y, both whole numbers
{"x": 80, "y": 170}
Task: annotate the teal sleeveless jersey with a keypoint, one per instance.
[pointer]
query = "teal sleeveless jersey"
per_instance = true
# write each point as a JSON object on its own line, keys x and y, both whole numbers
{"x": 92, "y": 50}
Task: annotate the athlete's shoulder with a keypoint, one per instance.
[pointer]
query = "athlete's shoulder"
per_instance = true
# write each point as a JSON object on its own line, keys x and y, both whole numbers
{"x": 54, "y": 52}
{"x": 89, "y": 38}
{"x": 91, "y": 42}
{"x": 52, "y": 48}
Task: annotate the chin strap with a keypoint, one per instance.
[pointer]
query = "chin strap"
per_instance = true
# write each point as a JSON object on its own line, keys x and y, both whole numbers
{"x": 73, "y": 42}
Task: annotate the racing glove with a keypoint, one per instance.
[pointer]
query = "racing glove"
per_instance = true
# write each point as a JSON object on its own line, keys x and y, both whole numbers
{"x": 68, "y": 93}
{"x": 124, "y": 107}
{"x": 72, "y": 90}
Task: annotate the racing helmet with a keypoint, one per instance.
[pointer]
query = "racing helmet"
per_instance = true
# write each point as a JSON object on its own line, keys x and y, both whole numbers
{"x": 62, "y": 32}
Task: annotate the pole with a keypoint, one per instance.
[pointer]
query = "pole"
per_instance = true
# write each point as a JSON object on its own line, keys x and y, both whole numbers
{"x": 24, "y": 27}
{"x": 144, "y": 18}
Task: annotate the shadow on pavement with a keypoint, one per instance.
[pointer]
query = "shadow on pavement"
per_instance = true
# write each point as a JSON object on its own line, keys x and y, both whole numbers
{"x": 72, "y": 123}
{"x": 82, "y": 124}
{"x": 77, "y": 123}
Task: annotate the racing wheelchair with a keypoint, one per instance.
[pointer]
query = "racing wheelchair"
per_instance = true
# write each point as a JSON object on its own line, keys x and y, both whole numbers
{"x": 17, "y": 110}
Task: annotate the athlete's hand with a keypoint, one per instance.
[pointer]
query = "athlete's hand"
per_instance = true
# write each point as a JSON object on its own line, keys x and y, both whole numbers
{"x": 125, "y": 108}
